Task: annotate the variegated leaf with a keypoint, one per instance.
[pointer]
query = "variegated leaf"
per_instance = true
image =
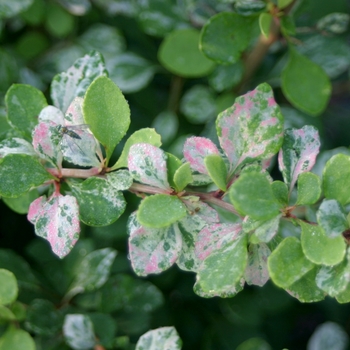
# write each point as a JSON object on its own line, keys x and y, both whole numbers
{"x": 298, "y": 153}
{"x": 252, "y": 129}
{"x": 147, "y": 164}
{"x": 196, "y": 149}
{"x": 67, "y": 85}
{"x": 152, "y": 250}
{"x": 57, "y": 220}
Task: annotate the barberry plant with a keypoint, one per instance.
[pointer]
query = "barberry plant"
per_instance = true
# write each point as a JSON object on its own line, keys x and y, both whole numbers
{"x": 178, "y": 220}
{"x": 218, "y": 210}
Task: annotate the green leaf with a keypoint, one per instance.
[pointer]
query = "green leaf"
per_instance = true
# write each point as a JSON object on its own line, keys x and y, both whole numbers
{"x": 334, "y": 279}
{"x": 172, "y": 163}
{"x": 21, "y": 204}
{"x": 280, "y": 191}
{"x": 287, "y": 26}
{"x": 305, "y": 84}
{"x": 43, "y": 318}
{"x": 319, "y": 248}
{"x": 309, "y": 188}
{"x": 130, "y": 71}
{"x": 68, "y": 85}
{"x": 166, "y": 124}
{"x": 183, "y": 176}
{"x": 217, "y": 170}
{"x": 12, "y": 8}
{"x": 19, "y": 173}
{"x": 328, "y": 335}
{"x": 336, "y": 179}
{"x": 105, "y": 327}
{"x": 265, "y": 20}
{"x": 93, "y": 271}
{"x": 254, "y": 344}
{"x": 332, "y": 218}
{"x": 283, "y": 3}
{"x": 6, "y": 314}
{"x": 198, "y": 104}
{"x": 160, "y": 338}
{"x": 160, "y": 210}
{"x": 16, "y": 339}
{"x": 107, "y": 113}
{"x": 59, "y": 23}
{"x": 225, "y": 36}
{"x": 146, "y": 135}
{"x": 8, "y": 287}
{"x": 179, "y": 53}
{"x": 222, "y": 269}
{"x": 344, "y": 296}
{"x": 287, "y": 263}
{"x": 264, "y": 230}
{"x": 78, "y": 331}
{"x": 252, "y": 129}
{"x": 306, "y": 290}
{"x": 23, "y": 104}
{"x": 226, "y": 77}
{"x": 142, "y": 295}
{"x": 252, "y": 195}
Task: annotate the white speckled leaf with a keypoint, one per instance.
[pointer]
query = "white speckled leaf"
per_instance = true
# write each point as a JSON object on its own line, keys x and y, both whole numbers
{"x": 256, "y": 272}
{"x": 67, "y": 85}
{"x": 163, "y": 338}
{"x": 56, "y": 219}
{"x": 298, "y": 153}
{"x": 252, "y": 129}
{"x": 147, "y": 164}
{"x": 152, "y": 250}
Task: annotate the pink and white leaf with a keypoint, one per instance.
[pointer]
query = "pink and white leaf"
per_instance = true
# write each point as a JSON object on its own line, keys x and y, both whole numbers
{"x": 147, "y": 164}
{"x": 152, "y": 250}
{"x": 57, "y": 220}
{"x": 196, "y": 149}
{"x": 46, "y": 143}
{"x": 256, "y": 272}
{"x": 214, "y": 237}
{"x": 252, "y": 129}
{"x": 74, "y": 113}
{"x": 298, "y": 153}
{"x": 51, "y": 114}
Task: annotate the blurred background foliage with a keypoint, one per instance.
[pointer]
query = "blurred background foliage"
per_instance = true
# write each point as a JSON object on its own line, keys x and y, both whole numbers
{"x": 40, "y": 38}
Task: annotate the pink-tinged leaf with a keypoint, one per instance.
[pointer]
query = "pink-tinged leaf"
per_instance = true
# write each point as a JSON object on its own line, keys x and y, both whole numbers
{"x": 256, "y": 272}
{"x": 16, "y": 145}
{"x": 298, "y": 153}
{"x": 46, "y": 143}
{"x": 200, "y": 214}
{"x": 196, "y": 149}
{"x": 51, "y": 114}
{"x": 35, "y": 209}
{"x": 214, "y": 237}
{"x": 152, "y": 250}
{"x": 202, "y": 210}
{"x": 74, "y": 114}
{"x": 252, "y": 129}
{"x": 57, "y": 220}
{"x": 147, "y": 164}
